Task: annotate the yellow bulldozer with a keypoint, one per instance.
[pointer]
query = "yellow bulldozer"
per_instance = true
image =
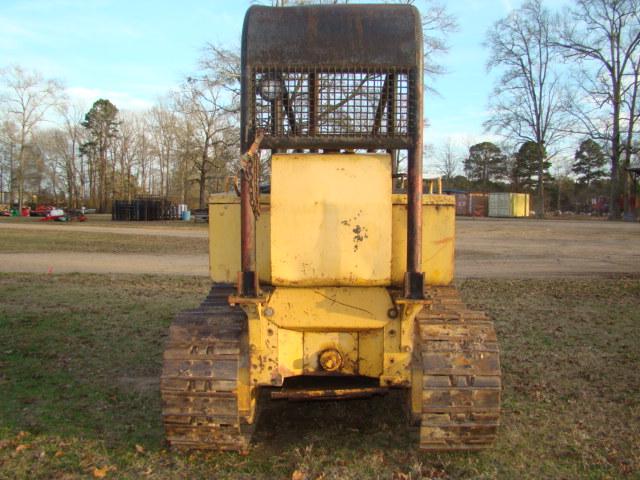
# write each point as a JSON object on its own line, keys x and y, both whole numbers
{"x": 333, "y": 284}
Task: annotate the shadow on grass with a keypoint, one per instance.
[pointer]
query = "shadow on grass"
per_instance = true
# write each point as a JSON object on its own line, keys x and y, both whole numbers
{"x": 341, "y": 424}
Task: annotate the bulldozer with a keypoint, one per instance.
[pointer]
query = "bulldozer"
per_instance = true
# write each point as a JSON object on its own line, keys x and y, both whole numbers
{"x": 332, "y": 283}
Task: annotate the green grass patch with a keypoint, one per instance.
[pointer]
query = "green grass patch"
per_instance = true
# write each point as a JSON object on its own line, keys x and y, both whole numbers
{"x": 80, "y": 358}
{"x": 42, "y": 241}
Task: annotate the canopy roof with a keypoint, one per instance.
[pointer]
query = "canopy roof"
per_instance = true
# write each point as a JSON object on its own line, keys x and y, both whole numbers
{"x": 333, "y": 36}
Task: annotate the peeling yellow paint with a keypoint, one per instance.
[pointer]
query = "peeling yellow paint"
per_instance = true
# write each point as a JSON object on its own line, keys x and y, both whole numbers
{"x": 438, "y": 239}
{"x": 330, "y": 243}
{"x": 330, "y": 219}
{"x": 437, "y": 249}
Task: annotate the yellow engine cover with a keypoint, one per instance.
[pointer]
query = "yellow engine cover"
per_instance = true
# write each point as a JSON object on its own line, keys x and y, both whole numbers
{"x": 330, "y": 220}
{"x": 325, "y": 251}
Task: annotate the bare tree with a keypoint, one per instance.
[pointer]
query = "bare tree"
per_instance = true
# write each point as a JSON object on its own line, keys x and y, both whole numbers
{"x": 604, "y": 37}
{"x": 26, "y": 98}
{"x": 8, "y": 142}
{"x": 221, "y": 66}
{"x": 74, "y": 168}
{"x": 527, "y": 101}
{"x": 54, "y": 181}
{"x": 186, "y": 154}
{"x": 127, "y": 154}
{"x": 203, "y": 102}
{"x": 35, "y": 174}
{"x": 448, "y": 159}
{"x": 163, "y": 134}
{"x": 631, "y": 116}
{"x": 437, "y": 25}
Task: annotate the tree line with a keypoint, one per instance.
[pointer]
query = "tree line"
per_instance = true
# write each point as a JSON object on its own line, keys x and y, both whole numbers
{"x": 185, "y": 146}
{"x": 567, "y": 82}
{"x": 566, "y": 76}
{"x": 52, "y": 150}
{"x": 576, "y": 182}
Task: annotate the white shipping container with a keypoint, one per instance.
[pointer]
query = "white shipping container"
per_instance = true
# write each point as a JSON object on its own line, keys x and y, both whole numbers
{"x": 508, "y": 204}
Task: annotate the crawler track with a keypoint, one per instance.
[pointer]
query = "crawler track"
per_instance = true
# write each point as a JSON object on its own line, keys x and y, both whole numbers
{"x": 460, "y": 373}
{"x": 200, "y": 374}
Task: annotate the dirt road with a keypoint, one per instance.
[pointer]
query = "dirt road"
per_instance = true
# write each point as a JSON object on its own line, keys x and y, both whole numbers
{"x": 522, "y": 248}
{"x": 506, "y": 248}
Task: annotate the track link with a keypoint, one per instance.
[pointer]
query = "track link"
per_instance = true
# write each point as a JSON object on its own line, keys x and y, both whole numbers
{"x": 460, "y": 374}
{"x": 199, "y": 383}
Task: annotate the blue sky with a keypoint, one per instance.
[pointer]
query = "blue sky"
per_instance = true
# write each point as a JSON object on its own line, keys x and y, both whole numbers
{"x": 134, "y": 51}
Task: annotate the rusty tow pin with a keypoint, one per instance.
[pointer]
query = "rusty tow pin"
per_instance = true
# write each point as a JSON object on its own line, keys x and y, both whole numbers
{"x": 330, "y": 360}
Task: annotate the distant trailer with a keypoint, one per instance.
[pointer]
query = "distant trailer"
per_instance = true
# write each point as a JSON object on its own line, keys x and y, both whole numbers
{"x": 478, "y": 204}
{"x": 462, "y": 204}
{"x": 508, "y": 204}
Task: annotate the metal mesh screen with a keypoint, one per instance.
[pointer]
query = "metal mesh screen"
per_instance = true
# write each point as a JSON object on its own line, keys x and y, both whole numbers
{"x": 325, "y": 103}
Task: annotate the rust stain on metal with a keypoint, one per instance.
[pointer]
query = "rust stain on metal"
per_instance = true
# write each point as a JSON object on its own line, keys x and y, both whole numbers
{"x": 360, "y": 233}
{"x": 444, "y": 240}
{"x": 330, "y": 360}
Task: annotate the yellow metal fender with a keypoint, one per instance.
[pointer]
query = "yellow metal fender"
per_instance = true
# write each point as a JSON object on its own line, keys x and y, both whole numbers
{"x": 368, "y": 330}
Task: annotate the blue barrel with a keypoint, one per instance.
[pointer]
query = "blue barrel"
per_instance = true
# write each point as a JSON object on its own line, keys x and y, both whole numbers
{"x": 186, "y": 216}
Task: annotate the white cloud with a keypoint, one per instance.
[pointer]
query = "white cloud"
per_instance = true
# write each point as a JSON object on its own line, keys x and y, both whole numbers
{"x": 507, "y": 5}
{"x": 64, "y": 22}
{"x": 468, "y": 5}
{"x": 12, "y": 35}
{"x": 122, "y": 100}
{"x": 460, "y": 138}
{"x": 46, "y": 6}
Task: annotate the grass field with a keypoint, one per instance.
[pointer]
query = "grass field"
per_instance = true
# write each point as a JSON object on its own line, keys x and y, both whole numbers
{"x": 37, "y": 241}
{"x": 104, "y": 220}
{"x": 80, "y": 357}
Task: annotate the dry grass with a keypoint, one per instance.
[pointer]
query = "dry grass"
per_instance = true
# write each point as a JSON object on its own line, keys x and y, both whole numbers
{"x": 80, "y": 356}
{"x": 104, "y": 220}
{"x": 39, "y": 241}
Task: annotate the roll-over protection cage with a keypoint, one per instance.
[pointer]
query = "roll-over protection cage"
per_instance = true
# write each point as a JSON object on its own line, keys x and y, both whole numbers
{"x": 330, "y": 78}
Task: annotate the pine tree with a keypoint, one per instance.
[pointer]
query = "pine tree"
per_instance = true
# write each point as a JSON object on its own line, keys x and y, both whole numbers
{"x": 527, "y": 164}
{"x": 589, "y": 162}
{"x": 484, "y": 163}
{"x": 102, "y": 124}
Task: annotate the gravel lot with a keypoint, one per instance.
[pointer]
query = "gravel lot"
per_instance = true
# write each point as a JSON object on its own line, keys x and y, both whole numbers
{"x": 486, "y": 248}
